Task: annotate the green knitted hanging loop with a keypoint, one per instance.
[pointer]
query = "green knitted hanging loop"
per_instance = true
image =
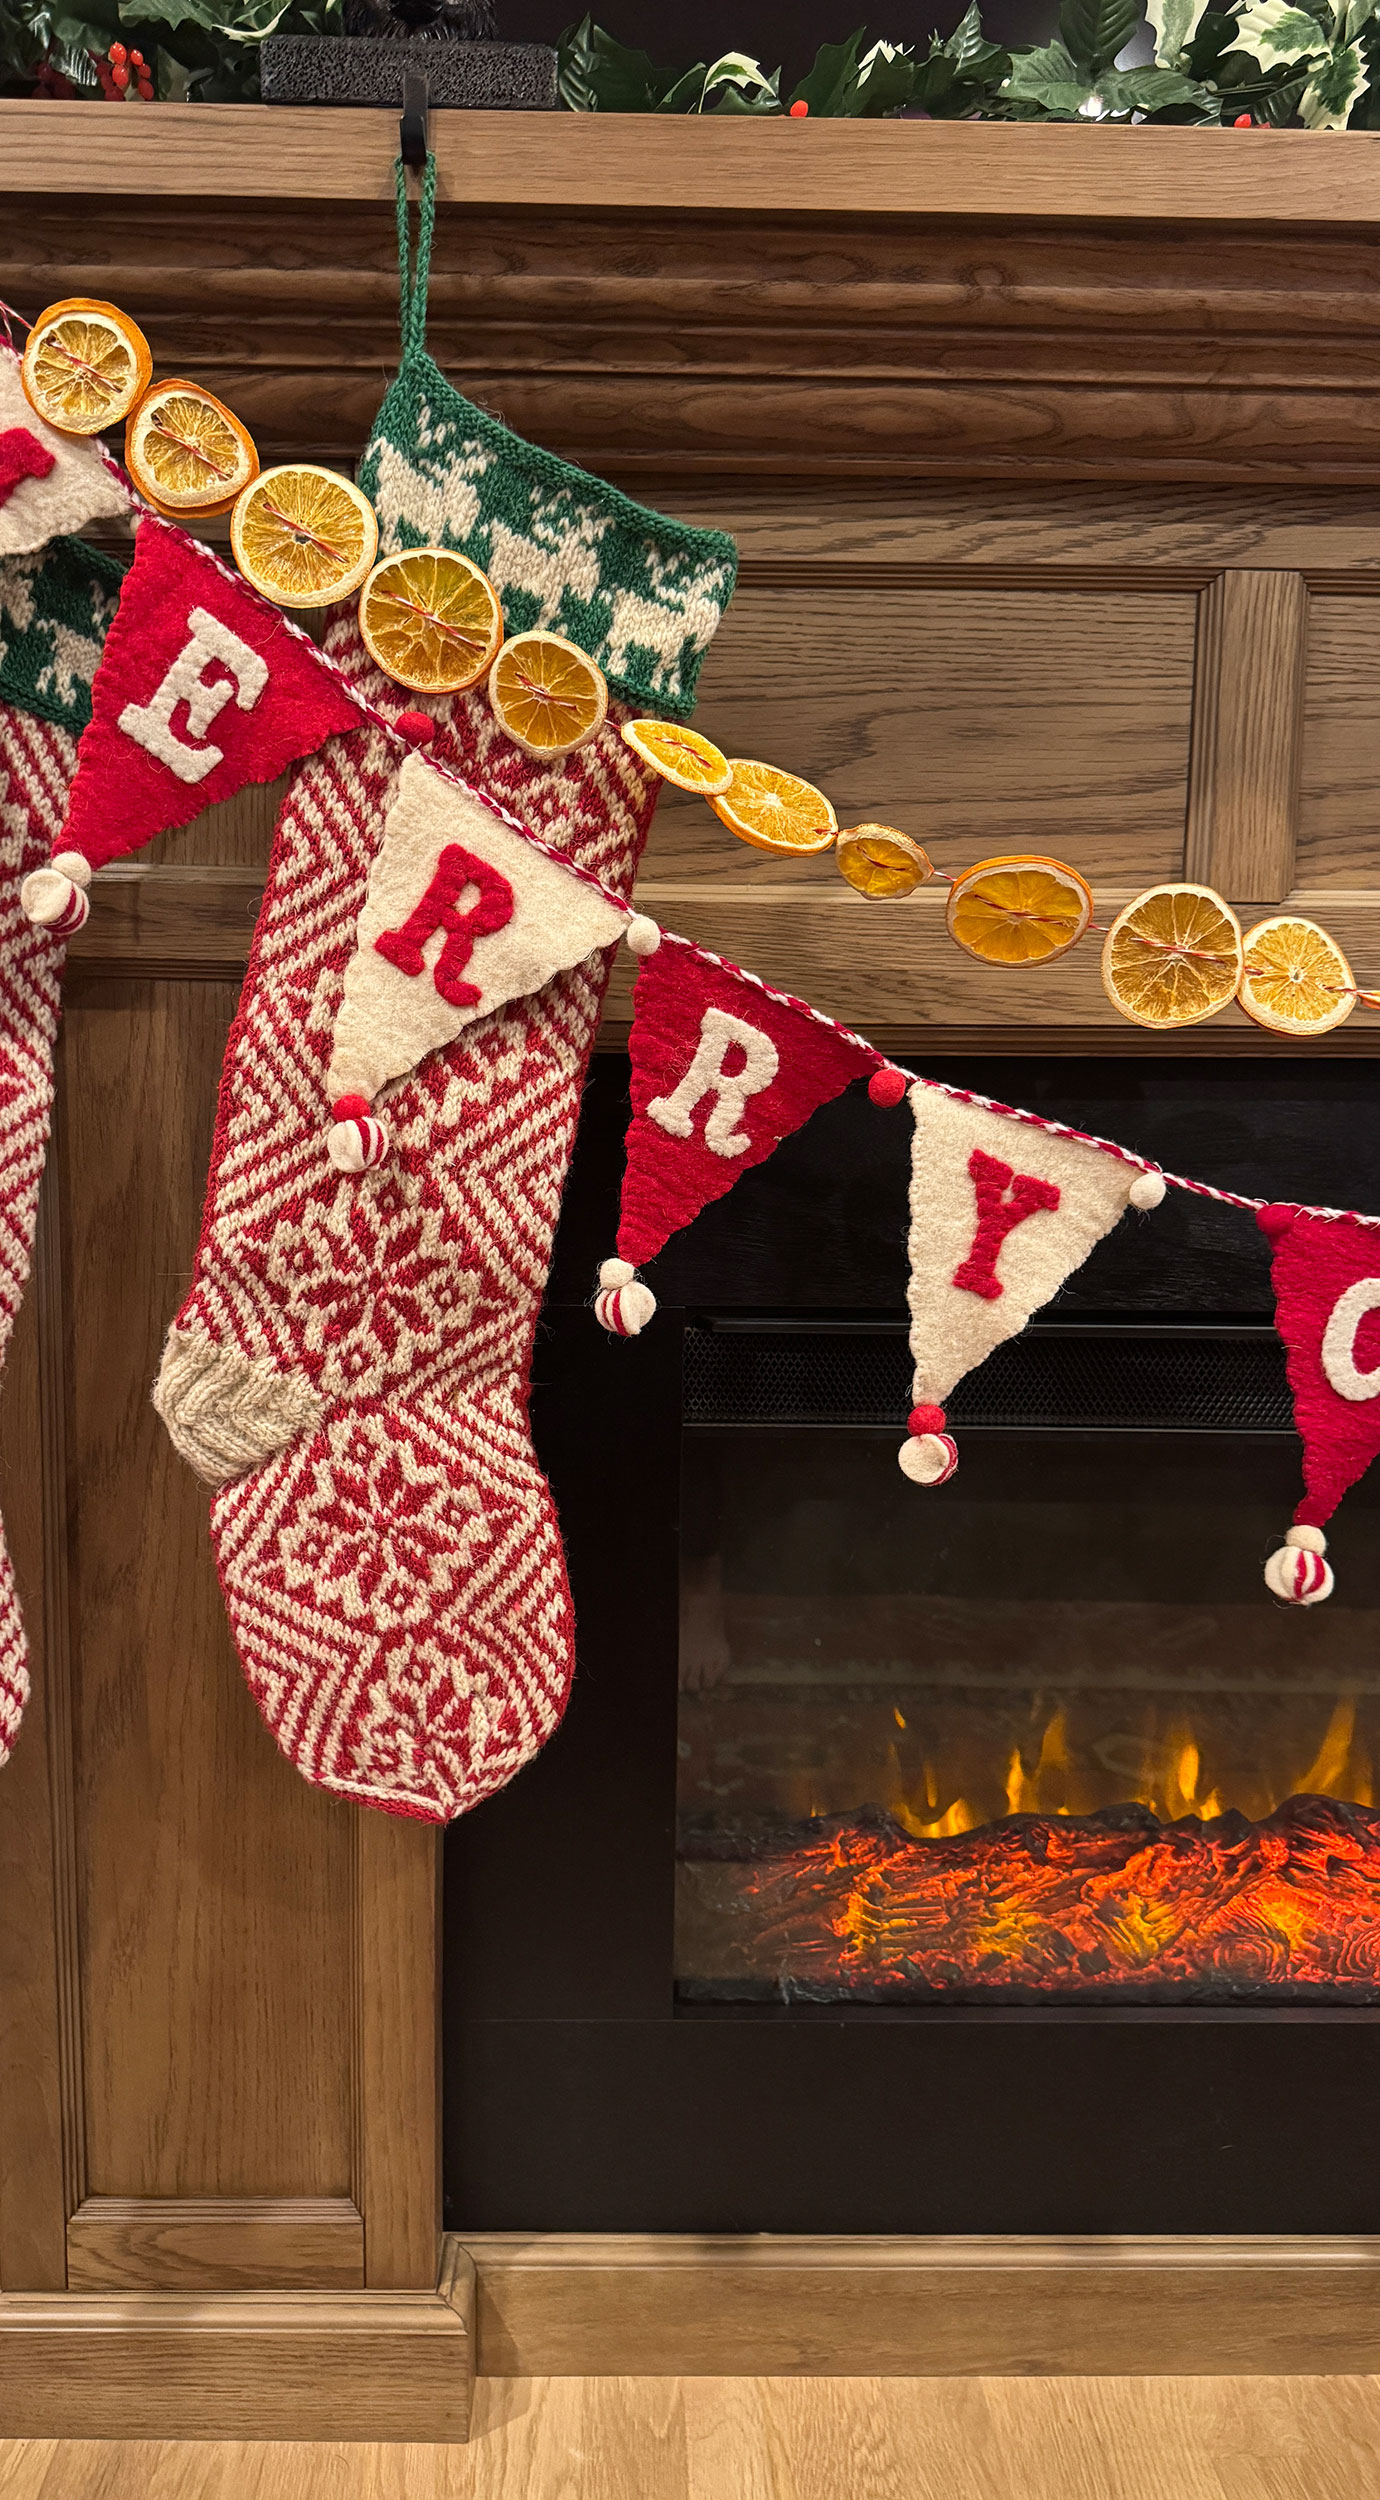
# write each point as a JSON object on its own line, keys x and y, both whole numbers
{"x": 413, "y": 280}
{"x": 564, "y": 550}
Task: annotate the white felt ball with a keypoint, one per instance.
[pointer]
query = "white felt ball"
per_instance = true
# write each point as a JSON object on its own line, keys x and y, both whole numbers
{"x": 642, "y": 934}
{"x": 356, "y": 1145}
{"x": 617, "y": 1272}
{"x": 1298, "y": 1576}
{"x": 73, "y": 864}
{"x": 1309, "y": 1540}
{"x": 625, "y": 1310}
{"x": 53, "y": 902}
{"x": 928, "y": 1457}
{"x": 1148, "y": 1191}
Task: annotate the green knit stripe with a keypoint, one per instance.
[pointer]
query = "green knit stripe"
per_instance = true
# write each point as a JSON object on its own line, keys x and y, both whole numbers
{"x": 55, "y": 609}
{"x": 640, "y": 593}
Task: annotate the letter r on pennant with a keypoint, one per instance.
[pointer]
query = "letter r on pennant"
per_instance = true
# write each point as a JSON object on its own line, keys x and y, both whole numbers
{"x": 1003, "y": 1202}
{"x": 439, "y": 908}
{"x": 708, "y": 1074}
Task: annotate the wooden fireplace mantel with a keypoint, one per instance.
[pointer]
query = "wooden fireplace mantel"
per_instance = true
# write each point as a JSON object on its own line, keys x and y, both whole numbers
{"x": 1053, "y": 459}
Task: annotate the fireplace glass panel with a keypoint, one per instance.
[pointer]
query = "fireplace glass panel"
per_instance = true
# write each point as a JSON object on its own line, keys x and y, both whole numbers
{"x": 1039, "y": 1735}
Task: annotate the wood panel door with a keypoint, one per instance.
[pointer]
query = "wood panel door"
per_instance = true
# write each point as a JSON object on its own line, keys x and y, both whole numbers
{"x": 217, "y": 2037}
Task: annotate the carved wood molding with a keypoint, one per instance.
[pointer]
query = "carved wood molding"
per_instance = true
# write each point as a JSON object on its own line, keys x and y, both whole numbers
{"x": 215, "y": 2243}
{"x": 872, "y": 299}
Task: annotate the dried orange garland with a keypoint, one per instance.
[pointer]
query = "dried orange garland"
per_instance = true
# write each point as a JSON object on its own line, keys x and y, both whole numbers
{"x": 1174, "y": 956}
{"x": 433, "y": 622}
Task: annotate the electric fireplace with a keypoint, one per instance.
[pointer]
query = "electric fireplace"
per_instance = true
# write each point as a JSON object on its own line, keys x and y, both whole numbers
{"x": 998, "y": 1856}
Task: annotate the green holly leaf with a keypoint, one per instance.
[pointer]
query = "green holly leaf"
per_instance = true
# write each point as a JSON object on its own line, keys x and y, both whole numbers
{"x": 831, "y": 76}
{"x": 1334, "y": 87}
{"x": 596, "y": 75}
{"x": 1048, "y": 78}
{"x": 1275, "y": 33}
{"x": 1150, "y": 90}
{"x": 1094, "y": 31}
{"x": 1174, "y": 24}
{"x": 738, "y": 84}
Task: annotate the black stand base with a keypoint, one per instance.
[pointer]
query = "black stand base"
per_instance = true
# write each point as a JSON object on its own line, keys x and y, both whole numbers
{"x": 365, "y": 69}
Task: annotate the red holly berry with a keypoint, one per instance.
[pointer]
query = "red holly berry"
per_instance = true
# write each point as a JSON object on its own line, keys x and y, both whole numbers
{"x": 1243, "y": 121}
{"x": 799, "y": 109}
{"x": 146, "y": 90}
{"x": 120, "y": 75}
{"x": 118, "y": 54}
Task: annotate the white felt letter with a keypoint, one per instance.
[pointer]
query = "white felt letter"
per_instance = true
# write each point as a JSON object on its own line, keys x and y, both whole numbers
{"x": 719, "y": 1033}
{"x": 1339, "y": 1340}
{"x": 150, "y": 724}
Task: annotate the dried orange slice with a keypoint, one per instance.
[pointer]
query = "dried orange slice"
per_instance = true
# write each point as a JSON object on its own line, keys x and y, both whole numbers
{"x": 1172, "y": 956}
{"x": 431, "y": 619}
{"x": 186, "y": 451}
{"x": 86, "y": 364}
{"x": 682, "y": 756}
{"x": 547, "y": 694}
{"x": 1295, "y": 978}
{"x": 1019, "y": 909}
{"x": 775, "y": 811}
{"x": 303, "y": 536}
{"x": 878, "y": 861}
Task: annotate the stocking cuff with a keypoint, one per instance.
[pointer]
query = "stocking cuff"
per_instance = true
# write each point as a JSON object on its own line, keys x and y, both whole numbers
{"x": 55, "y": 610}
{"x": 640, "y": 593}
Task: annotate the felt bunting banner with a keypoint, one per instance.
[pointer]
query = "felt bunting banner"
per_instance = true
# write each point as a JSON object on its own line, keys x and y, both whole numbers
{"x": 463, "y": 913}
{"x": 722, "y": 1070}
{"x": 1001, "y": 1213}
{"x": 1326, "y": 1275}
{"x": 203, "y": 688}
{"x": 51, "y": 485}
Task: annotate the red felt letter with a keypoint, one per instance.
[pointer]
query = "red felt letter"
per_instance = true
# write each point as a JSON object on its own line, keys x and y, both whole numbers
{"x": 455, "y": 869}
{"x": 998, "y": 1214}
{"x": 21, "y": 455}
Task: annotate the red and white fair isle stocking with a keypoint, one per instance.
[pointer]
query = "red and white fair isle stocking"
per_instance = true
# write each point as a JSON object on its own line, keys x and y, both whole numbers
{"x": 350, "y": 1368}
{"x": 37, "y": 760}
{"x": 56, "y": 604}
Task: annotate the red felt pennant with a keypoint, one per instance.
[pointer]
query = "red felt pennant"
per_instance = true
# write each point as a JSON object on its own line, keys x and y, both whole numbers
{"x": 203, "y": 687}
{"x": 722, "y": 1071}
{"x": 1326, "y": 1273}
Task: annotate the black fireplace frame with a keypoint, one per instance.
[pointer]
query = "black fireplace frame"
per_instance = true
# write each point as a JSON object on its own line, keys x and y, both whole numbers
{"x": 579, "y": 2096}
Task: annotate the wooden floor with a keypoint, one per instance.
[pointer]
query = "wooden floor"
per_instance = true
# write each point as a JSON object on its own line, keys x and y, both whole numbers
{"x": 794, "y": 2439}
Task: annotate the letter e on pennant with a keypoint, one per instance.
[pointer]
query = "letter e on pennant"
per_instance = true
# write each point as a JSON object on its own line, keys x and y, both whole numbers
{"x": 186, "y": 682}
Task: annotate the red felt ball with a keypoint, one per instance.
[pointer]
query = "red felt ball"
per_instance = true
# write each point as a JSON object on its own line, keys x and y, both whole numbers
{"x": 887, "y": 1087}
{"x": 351, "y": 1107}
{"x": 799, "y": 109}
{"x": 925, "y": 1419}
{"x": 417, "y": 727}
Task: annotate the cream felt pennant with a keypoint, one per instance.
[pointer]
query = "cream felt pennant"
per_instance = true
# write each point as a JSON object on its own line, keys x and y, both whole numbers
{"x": 1001, "y": 1212}
{"x": 462, "y": 914}
{"x": 51, "y": 485}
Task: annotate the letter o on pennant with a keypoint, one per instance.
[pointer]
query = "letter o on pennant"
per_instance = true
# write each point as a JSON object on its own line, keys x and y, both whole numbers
{"x": 1339, "y": 1340}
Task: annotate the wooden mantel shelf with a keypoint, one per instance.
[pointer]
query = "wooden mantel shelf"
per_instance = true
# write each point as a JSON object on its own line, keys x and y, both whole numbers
{"x": 884, "y": 170}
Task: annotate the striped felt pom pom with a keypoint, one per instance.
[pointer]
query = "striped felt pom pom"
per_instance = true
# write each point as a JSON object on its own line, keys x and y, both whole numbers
{"x": 56, "y": 898}
{"x": 622, "y": 1305}
{"x": 356, "y": 1141}
{"x": 1297, "y": 1573}
{"x": 930, "y": 1455}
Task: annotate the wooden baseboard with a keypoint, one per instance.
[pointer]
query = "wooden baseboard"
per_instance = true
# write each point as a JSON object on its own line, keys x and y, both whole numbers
{"x": 215, "y": 2244}
{"x": 355, "y": 2365}
{"x": 555, "y": 2306}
